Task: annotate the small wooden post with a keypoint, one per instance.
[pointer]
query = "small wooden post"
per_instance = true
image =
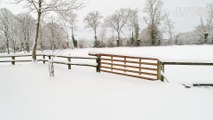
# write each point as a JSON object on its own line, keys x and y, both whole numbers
{"x": 98, "y": 61}
{"x": 13, "y": 60}
{"x": 160, "y": 68}
{"x": 69, "y": 60}
{"x": 43, "y": 59}
{"x": 49, "y": 57}
{"x": 163, "y": 70}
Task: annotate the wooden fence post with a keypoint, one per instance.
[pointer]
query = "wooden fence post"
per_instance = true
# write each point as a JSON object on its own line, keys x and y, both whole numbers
{"x": 69, "y": 65}
{"x": 163, "y": 70}
{"x": 98, "y": 61}
{"x": 160, "y": 68}
{"x": 49, "y": 57}
{"x": 13, "y": 60}
{"x": 43, "y": 59}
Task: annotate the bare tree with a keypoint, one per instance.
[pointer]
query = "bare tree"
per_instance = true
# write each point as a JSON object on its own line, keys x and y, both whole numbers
{"x": 52, "y": 35}
{"x": 42, "y": 7}
{"x": 42, "y": 37}
{"x": 134, "y": 25}
{"x": 102, "y": 35}
{"x": 72, "y": 20}
{"x": 56, "y": 35}
{"x": 110, "y": 41}
{"x": 207, "y": 27}
{"x": 26, "y": 25}
{"x": 169, "y": 28}
{"x": 92, "y": 20}
{"x": 6, "y": 23}
{"x": 117, "y": 21}
{"x": 14, "y": 33}
{"x": 155, "y": 15}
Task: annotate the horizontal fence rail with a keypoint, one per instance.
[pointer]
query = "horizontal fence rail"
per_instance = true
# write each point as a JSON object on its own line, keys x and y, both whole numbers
{"x": 46, "y": 58}
{"x": 187, "y": 63}
{"x": 13, "y": 59}
{"x": 68, "y": 62}
{"x": 139, "y": 67}
{"x": 162, "y": 66}
{"x": 27, "y": 55}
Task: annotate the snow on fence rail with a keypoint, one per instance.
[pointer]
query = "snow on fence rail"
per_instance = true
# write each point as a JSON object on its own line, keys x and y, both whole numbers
{"x": 69, "y": 60}
{"x": 139, "y": 67}
{"x": 44, "y": 60}
{"x": 162, "y": 67}
{"x": 13, "y": 58}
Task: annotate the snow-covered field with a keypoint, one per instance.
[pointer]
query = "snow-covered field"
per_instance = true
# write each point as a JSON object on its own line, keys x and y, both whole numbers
{"x": 27, "y": 92}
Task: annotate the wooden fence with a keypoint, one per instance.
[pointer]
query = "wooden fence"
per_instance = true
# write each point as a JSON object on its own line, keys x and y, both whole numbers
{"x": 162, "y": 66}
{"x": 13, "y": 59}
{"x": 44, "y": 58}
{"x": 145, "y": 68}
{"x": 139, "y": 67}
{"x": 69, "y": 58}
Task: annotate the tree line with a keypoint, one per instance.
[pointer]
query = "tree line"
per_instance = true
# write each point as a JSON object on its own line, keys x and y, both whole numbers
{"x": 17, "y": 33}
{"x": 125, "y": 25}
{"x": 22, "y": 32}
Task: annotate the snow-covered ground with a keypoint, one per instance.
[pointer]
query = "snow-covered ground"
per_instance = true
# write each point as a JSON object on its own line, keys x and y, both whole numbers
{"x": 28, "y": 93}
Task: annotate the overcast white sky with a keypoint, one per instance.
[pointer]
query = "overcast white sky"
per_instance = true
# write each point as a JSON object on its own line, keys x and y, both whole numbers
{"x": 185, "y": 13}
